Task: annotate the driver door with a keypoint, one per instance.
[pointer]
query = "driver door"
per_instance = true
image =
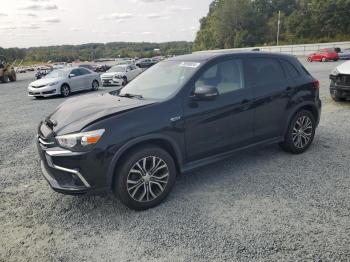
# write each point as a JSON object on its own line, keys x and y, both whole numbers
{"x": 76, "y": 82}
{"x": 225, "y": 123}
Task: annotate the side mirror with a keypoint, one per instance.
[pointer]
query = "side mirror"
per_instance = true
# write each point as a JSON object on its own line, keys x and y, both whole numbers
{"x": 71, "y": 75}
{"x": 205, "y": 93}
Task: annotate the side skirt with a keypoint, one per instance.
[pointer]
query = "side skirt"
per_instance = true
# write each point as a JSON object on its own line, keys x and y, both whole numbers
{"x": 212, "y": 159}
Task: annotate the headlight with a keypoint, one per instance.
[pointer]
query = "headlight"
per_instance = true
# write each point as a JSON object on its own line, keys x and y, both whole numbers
{"x": 118, "y": 76}
{"x": 52, "y": 84}
{"x": 80, "y": 141}
{"x": 335, "y": 72}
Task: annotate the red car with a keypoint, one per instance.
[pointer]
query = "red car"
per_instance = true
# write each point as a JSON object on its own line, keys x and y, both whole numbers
{"x": 324, "y": 55}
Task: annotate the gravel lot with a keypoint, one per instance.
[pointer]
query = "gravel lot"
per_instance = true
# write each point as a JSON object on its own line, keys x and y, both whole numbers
{"x": 261, "y": 205}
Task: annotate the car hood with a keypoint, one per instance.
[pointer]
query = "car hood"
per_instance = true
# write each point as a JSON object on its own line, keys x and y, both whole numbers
{"x": 77, "y": 113}
{"x": 344, "y": 68}
{"x": 45, "y": 81}
{"x": 111, "y": 74}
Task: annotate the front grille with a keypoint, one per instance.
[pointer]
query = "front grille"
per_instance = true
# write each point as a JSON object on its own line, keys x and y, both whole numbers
{"x": 343, "y": 80}
{"x": 38, "y": 86}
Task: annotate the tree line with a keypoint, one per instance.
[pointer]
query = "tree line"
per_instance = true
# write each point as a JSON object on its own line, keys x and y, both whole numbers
{"x": 89, "y": 52}
{"x": 245, "y": 23}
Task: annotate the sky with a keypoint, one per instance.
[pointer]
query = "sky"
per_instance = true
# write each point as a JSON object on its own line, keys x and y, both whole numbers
{"x": 27, "y": 23}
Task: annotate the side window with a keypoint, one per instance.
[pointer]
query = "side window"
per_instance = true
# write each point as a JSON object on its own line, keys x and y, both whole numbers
{"x": 83, "y": 71}
{"x": 226, "y": 76}
{"x": 76, "y": 72}
{"x": 290, "y": 69}
{"x": 264, "y": 71}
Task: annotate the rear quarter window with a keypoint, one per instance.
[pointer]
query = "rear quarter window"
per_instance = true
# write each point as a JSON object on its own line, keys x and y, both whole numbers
{"x": 264, "y": 71}
{"x": 290, "y": 69}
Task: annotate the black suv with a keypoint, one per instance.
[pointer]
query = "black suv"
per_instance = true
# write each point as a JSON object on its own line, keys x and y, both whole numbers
{"x": 182, "y": 113}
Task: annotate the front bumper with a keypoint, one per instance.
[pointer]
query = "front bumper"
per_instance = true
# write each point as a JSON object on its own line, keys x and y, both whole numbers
{"x": 43, "y": 91}
{"x": 340, "y": 86}
{"x": 61, "y": 179}
{"x": 112, "y": 82}
{"x": 72, "y": 172}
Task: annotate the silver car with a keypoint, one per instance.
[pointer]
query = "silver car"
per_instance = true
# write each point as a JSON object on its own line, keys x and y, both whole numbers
{"x": 64, "y": 82}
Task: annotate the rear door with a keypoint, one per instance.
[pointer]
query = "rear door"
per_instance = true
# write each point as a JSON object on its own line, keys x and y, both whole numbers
{"x": 271, "y": 91}
{"x": 216, "y": 126}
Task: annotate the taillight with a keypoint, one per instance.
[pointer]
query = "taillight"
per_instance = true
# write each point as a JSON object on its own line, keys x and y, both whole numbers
{"x": 317, "y": 84}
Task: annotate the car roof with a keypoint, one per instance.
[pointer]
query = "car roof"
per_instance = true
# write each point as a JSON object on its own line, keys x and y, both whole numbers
{"x": 204, "y": 56}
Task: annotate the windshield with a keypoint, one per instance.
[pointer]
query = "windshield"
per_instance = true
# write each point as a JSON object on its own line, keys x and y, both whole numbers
{"x": 116, "y": 69}
{"x": 162, "y": 80}
{"x": 56, "y": 74}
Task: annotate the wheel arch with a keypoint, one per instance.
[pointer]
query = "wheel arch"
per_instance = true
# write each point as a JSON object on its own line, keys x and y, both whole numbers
{"x": 162, "y": 141}
{"x": 304, "y": 106}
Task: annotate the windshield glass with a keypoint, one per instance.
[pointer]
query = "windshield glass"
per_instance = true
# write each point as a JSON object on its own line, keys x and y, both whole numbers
{"x": 162, "y": 80}
{"x": 116, "y": 69}
{"x": 56, "y": 74}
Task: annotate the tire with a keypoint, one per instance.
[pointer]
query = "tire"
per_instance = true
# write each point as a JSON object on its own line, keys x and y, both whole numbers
{"x": 294, "y": 141}
{"x": 309, "y": 59}
{"x": 149, "y": 191}
{"x": 65, "y": 90}
{"x": 324, "y": 59}
{"x": 5, "y": 79}
{"x": 13, "y": 77}
{"x": 125, "y": 81}
{"x": 95, "y": 85}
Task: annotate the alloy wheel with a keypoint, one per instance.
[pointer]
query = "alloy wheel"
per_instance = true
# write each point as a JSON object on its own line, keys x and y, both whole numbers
{"x": 95, "y": 85}
{"x": 147, "y": 179}
{"x": 65, "y": 91}
{"x": 302, "y": 131}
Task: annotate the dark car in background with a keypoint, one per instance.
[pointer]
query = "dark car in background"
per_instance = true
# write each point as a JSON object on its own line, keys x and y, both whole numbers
{"x": 145, "y": 63}
{"x": 87, "y": 66}
{"x": 183, "y": 113}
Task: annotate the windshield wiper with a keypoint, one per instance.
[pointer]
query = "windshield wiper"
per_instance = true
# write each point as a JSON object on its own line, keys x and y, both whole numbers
{"x": 131, "y": 96}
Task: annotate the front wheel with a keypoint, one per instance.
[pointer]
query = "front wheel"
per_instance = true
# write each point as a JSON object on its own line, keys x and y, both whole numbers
{"x": 125, "y": 81}
{"x": 300, "y": 134}
{"x": 145, "y": 177}
{"x": 324, "y": 59}
{"x": 65, "y": 91}
{"x": 309, "y": 59}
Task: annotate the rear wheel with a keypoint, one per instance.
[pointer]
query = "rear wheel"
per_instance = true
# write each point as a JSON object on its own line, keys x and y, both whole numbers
{"x": 145, "y": 177}
{"x": 65, "y": 90}
{"x": 300, "y": 134}
{"x": 309, "y": 59}
{"x": 95, "y": 85}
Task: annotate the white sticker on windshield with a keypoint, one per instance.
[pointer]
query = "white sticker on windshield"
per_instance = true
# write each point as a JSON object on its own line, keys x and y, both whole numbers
{"x": 190, "y": 64}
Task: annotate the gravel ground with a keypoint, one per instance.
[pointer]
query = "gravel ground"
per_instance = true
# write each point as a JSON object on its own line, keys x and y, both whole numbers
{"x": 261, "y": 205}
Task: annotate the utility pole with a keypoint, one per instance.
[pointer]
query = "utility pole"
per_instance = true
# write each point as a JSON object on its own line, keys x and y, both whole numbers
{"x": 278, "y": 26}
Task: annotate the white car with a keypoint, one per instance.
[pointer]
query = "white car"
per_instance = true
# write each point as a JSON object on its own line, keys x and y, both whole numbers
{"x": 120, "y": 75}
{"x": 64, "y": 82}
